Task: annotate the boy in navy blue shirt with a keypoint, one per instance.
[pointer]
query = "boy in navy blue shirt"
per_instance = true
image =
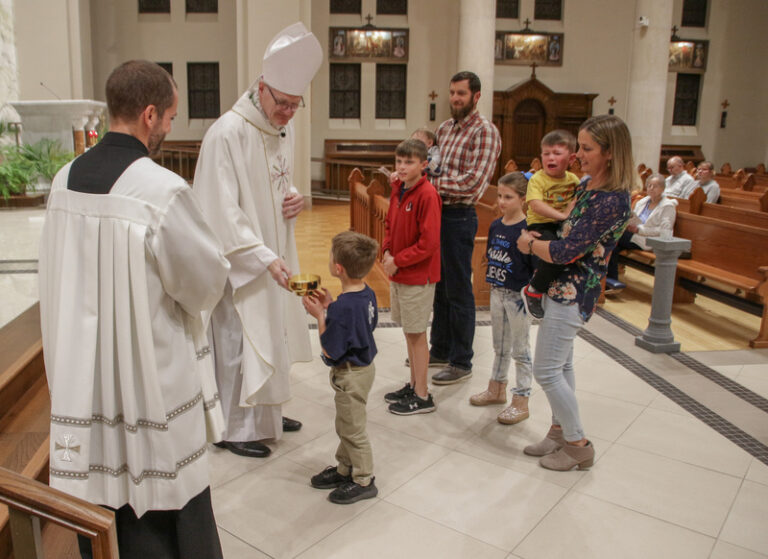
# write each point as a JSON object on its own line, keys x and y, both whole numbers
{"x": 346, "y": 336}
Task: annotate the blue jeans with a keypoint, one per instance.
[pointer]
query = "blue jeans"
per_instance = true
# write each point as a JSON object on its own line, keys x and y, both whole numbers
{"x": 553, "y": 365}
{"x": 509, "y": 327}
{"x": 453, "y": 319}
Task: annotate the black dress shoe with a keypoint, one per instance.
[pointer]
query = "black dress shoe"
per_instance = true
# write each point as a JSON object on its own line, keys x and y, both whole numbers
{"x": 251, "y": 449}
{"x": 291, "y": 424}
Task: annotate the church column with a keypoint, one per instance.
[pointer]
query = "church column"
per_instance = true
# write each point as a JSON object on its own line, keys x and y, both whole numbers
{"x": 9, "y": 79}
{"x": 648, "y": 80}
{"x": 477, "y": 28}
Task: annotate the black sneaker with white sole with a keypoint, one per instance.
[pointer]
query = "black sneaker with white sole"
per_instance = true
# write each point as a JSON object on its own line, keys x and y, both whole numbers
{"x": 397, "y": 395}
{"x": 413, "y": 405}
{"x": 352, "y": 492}
{"x": 532, "y": 303}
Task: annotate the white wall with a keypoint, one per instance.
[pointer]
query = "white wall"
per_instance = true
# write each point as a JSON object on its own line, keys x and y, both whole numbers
{"x": 737, "y": 70}
{"x": 52, "y": 47}
{"x": 433, "y": 26}
{"x": 120, "y": 33}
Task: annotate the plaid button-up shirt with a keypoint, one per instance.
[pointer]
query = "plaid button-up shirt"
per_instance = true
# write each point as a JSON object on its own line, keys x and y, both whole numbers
{"x": 469, "y": 150}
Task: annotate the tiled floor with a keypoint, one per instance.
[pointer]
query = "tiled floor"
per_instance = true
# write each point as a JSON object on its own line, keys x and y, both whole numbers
{"x": 455, "y": 483}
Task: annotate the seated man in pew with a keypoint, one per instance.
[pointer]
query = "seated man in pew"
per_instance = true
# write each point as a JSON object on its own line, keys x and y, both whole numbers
{"x": 679, "y": 179}
{"x": 653, "y": 216}
{"x": 704, "y": 179}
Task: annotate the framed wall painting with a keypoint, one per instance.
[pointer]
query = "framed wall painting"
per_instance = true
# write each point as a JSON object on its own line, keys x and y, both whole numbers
{"x": 522, "y": 49}
{"x": 347, "y": 44}
{"x": 688, "y": 56}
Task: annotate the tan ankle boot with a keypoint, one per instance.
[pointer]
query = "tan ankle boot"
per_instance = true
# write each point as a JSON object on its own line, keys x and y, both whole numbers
{"x": 516, "y": 412}
{"x": 551, "y": 443}
{"x": 495, "y": 394}
{"x": 568, "y": 457}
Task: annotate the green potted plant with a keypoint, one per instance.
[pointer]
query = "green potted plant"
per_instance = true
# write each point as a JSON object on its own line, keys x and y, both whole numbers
{"x": 22, "y": 167}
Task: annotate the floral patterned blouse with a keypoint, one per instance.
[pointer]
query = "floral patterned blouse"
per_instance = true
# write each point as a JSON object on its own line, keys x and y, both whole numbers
{"x": 587, "y": 238}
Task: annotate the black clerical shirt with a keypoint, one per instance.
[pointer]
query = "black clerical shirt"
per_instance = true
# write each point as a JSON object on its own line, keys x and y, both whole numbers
{"x": 97, "y": 170}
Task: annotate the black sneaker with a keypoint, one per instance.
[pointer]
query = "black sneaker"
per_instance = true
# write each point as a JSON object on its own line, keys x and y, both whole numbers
{"x": 397, "y": 395}
{"x": 352, "y": 492}
{"x": 413, "y": 405}
{"x": 532, "y": 303}
{"x": 433, "y": 361}
{"x": 329, "y": 478}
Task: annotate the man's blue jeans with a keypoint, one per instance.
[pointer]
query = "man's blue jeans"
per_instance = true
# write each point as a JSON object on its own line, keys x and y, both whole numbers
{"x": 453, "y": 320}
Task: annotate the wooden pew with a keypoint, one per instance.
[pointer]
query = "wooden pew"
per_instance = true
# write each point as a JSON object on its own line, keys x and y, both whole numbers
{"x": 729, "y": 253}
{"x": 747, "y": 200}
{"x": 728, "y": 246}
{"x": 24, "y": 406}
{"x": 343, "y": 156}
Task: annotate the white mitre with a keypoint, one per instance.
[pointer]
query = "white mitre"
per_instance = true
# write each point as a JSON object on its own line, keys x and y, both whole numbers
{"x": 291, "y": 60}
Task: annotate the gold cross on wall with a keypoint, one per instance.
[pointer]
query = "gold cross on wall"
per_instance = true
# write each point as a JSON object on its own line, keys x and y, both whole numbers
{"x": 433, "y": 95}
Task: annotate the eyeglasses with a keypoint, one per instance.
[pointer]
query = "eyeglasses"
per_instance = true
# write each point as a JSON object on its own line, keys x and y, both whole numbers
{"x": 286, "y": 105}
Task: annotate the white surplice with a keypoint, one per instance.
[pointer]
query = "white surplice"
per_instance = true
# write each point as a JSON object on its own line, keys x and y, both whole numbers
{"x": 124, "y": 278}
{"x": 244, "y": 172}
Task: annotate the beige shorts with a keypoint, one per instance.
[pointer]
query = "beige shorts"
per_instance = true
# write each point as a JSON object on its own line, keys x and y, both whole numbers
{"x": 411, "y": 305}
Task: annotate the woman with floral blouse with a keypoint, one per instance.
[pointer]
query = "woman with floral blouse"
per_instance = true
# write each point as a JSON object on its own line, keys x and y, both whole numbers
{"x": 587, "y": 237}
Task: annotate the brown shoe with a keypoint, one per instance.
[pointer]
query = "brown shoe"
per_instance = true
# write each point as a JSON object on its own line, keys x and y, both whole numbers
{"x": 551, "y": 443}
{"x": 568, "y": 457}
{"x": 516, "y": 412}
{"x": 495, "y": 394}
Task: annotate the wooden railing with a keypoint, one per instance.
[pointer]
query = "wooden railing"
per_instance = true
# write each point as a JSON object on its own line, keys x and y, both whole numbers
{"x": 30, "y": 501}
{"x": 179, "y": 157}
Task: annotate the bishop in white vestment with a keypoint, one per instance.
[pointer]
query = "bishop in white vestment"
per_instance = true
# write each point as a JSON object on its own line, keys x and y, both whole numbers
{"x": 244, "y": 181}
{"x": 127, "y": 267}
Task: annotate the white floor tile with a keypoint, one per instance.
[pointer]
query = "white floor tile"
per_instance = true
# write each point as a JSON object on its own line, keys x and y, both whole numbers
{"x": 661, "y": 487}
{"x": 725, "y": 550}
{"x": 582, "y": 526}
{"x": 233, "y": 548}
{"x": 686, "y": 439}
{"x": 385, "y": 531}
{"x": 274, "y": 509}
{"x": 483, "y": 500}
{"x": 746, "y": 525}
{"x": 758, "y": 472}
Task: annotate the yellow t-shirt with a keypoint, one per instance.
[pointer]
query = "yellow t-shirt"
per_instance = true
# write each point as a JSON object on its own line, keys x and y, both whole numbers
{"x": 556, "y": 193}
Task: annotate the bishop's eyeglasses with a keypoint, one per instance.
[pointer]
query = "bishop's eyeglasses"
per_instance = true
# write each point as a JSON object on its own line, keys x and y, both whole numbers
{"x": 285, "y": 105}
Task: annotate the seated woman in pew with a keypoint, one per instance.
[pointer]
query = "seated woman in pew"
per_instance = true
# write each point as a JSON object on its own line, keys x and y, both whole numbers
{"x": 652, "y": 216}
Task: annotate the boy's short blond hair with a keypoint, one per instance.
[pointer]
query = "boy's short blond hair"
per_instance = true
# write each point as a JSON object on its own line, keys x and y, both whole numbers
{"x": 559, "y": 138}
{"x": 356, "y": 252}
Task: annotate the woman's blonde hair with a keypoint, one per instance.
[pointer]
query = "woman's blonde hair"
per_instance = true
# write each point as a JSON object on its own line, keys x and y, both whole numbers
{"x": 612, "y": 135}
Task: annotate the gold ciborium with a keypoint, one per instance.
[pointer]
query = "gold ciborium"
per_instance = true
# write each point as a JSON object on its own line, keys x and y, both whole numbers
{"x": 303, "y": 284}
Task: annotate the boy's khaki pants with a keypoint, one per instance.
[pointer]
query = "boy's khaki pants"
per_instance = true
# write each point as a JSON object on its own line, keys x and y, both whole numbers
{"x": 354, "y": 455}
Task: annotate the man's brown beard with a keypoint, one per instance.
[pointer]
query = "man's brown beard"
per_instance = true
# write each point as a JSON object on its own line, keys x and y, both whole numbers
{"x": 459, "y": 114}
{"x": 154, "y": 143}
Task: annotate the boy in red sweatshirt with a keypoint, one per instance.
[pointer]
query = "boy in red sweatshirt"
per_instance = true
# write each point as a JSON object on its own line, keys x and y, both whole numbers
{"x": 411, "y": 259}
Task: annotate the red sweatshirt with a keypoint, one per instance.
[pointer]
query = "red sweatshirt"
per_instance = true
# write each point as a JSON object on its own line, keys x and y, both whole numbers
{"x": 413, "y": 233}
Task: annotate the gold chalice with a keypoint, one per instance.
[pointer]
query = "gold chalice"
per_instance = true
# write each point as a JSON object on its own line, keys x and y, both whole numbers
{"x": 303, "y": 284}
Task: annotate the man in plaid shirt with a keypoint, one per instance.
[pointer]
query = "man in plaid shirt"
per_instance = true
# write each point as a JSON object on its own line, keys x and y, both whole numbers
{"x": 469, "y": 148}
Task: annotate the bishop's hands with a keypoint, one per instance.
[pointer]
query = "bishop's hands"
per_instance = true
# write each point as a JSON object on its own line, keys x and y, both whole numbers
{"x": 316, "y": 302}
{"x": 293, "y": 203}
{"x": 280, "y": 272}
